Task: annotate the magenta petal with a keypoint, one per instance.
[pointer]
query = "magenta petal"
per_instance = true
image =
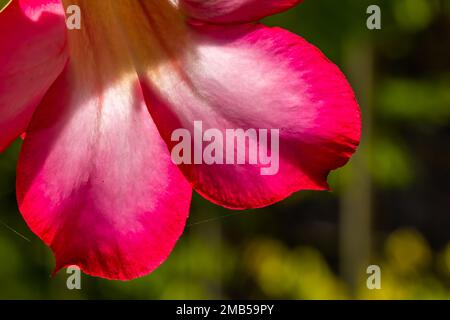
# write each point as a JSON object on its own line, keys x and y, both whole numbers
{"x": 32, "y": 54}
{"x": 233, "y": 11}
{"x": 263, "y": 78}
{"x": 95, "y": 181}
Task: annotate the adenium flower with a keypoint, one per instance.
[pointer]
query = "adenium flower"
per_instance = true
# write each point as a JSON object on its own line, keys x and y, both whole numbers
{"x": 95, "y": 180}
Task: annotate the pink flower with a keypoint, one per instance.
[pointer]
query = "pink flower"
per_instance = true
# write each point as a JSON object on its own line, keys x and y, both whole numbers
{"x": 95, "y": 180}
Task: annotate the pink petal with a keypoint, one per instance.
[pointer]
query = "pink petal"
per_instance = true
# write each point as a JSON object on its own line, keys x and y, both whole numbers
{"x": 258, "y": 77}
{"x": 95, "y": 181}
{"x": 232, "y": 11}
{"x": 32, "y": 54}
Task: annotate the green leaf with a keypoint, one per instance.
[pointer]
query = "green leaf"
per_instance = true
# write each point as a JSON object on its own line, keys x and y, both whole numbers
{"x": 3, "y": 4}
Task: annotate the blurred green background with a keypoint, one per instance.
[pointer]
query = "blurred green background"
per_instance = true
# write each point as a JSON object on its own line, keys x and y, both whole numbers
{"x": 390, "y": 206}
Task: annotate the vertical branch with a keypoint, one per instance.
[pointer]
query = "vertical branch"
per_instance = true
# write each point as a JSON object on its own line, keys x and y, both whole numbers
{"x": 214, "y": 238}
{"x": 356, "y": 198}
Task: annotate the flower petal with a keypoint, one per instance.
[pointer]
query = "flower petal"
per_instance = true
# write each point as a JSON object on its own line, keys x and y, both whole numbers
{"x": 95, "y": 181}
{"x": 257, "y": 77}
{"x": 32, "y": 54}
{"x": 233, "y": 11}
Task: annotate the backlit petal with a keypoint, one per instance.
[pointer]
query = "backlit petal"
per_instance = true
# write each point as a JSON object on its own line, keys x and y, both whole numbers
{"x": 262, "y": 78}
{"x": 32, "y": 54}
{"x": 232, "y": 11}
{"x": 95, "y": 181}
